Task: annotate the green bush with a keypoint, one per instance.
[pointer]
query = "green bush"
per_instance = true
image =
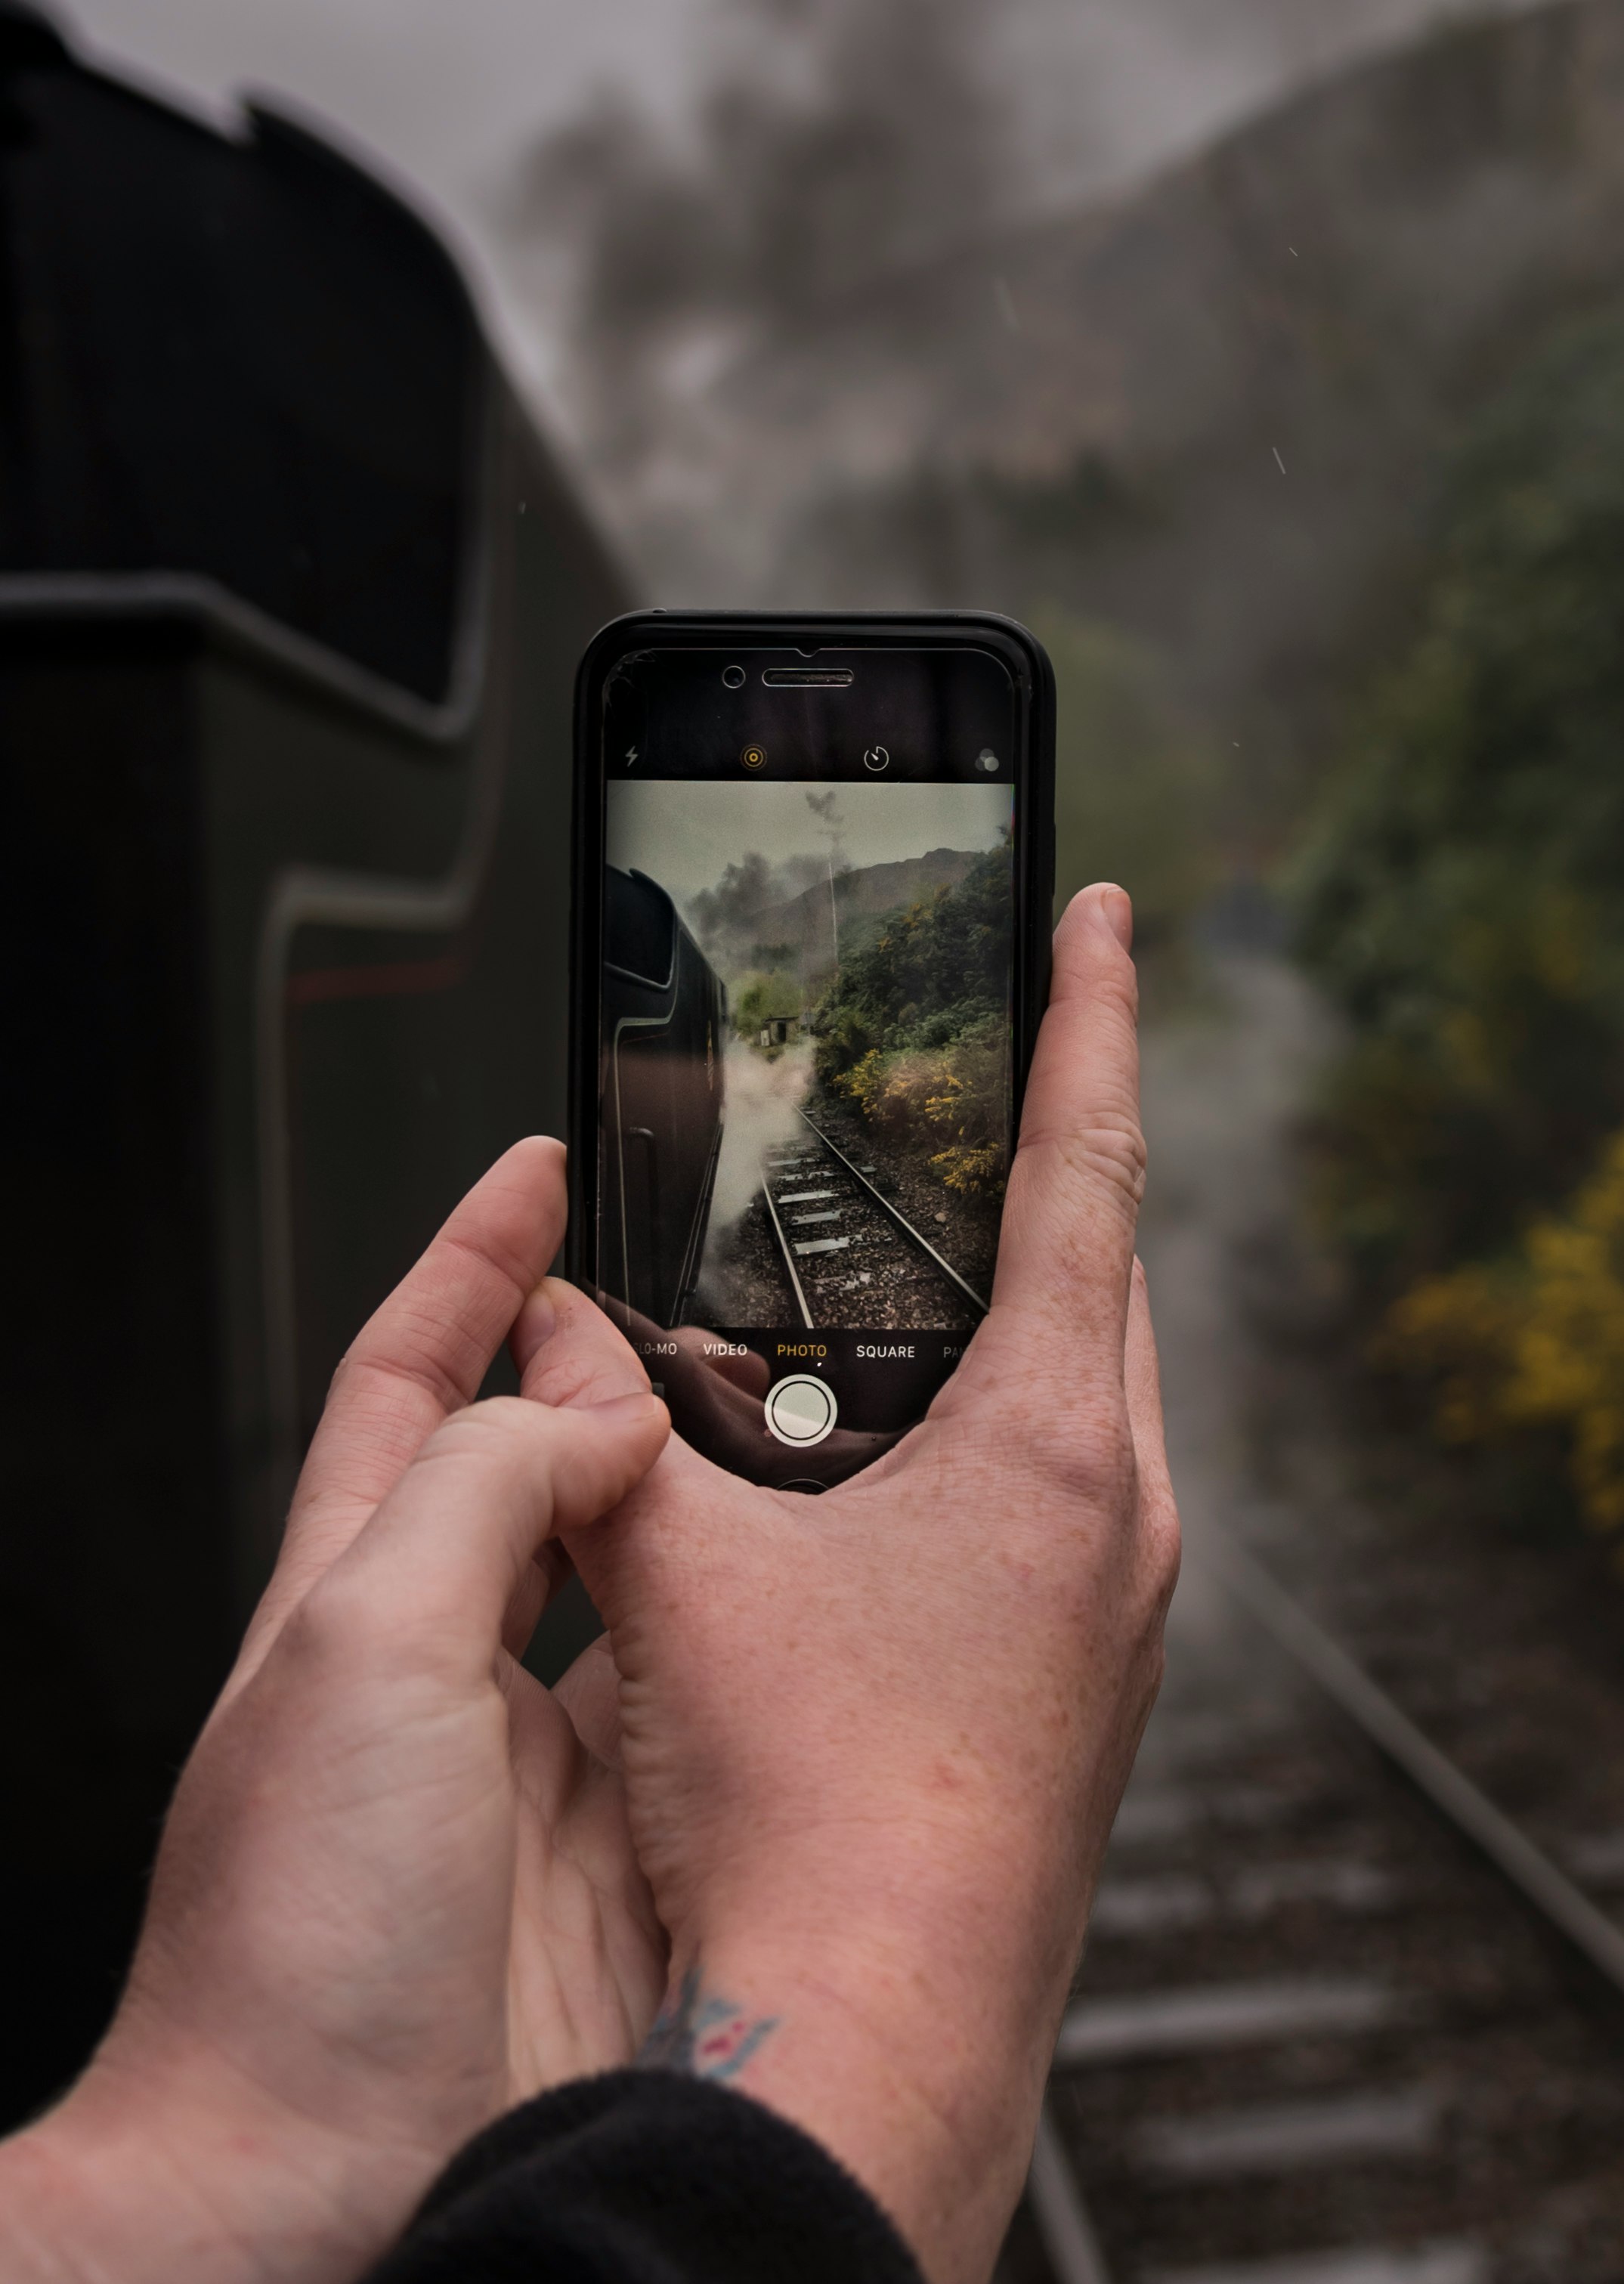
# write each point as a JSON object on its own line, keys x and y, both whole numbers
{"x": 914, "y": 1029}
{"x": 1460, "y": 893}
{"x": 927, "y": 972}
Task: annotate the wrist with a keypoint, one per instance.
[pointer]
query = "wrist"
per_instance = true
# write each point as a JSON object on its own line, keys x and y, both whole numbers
{"x": 199, "y": 2182}
{"x": 78, "y": 2194}
{"x": 910, "y": 2058}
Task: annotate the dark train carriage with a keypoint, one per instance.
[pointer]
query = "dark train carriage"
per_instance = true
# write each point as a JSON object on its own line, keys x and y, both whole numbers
{"x": 665, "y": 1025}
{"x": 291, "y": 600}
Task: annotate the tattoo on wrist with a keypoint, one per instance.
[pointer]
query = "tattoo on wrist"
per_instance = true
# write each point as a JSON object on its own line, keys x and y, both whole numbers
{"x": 704, "y": 2035}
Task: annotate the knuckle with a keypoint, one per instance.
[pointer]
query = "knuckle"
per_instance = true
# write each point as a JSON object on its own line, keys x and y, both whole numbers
{"x": 335, "y": 1626}
{"x": 500, "y": 1431}
{"x": 1107, "y": 1153}
{"x": 503, "y": 1416}
{"x": 409, "y": 1368}
{"x": 498, "y": 1450}
{"x": 1164, "y": 1553}
{"x": 1084, "y": 1457}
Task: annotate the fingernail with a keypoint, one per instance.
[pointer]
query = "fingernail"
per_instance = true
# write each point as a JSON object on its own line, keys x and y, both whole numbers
{"x": 1117, "y": 907}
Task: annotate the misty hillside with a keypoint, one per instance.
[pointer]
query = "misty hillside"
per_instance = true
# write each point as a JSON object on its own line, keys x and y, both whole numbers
{"x": 1213, "y": 414}
{"x": 795, "y": 933}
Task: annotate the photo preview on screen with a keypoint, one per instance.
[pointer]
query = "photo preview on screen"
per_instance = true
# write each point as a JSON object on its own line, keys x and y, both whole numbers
{"x": 809, "y": 1132}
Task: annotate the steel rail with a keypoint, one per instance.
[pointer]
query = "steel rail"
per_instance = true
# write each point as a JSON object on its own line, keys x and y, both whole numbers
{"x": 1059, "y": 2213}
{"x": 1053, "y": 2195}
{"x": 890, "y": 1211}
{"x": 783, "y": 1248}
{"x": 1591, "y": 1931}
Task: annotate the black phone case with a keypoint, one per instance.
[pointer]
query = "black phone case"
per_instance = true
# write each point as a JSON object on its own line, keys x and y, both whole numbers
{"x": 1035, "y": 870}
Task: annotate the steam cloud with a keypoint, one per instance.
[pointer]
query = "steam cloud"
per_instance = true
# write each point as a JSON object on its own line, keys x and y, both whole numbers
{"x": 747, "y": 893}
{"x": 763, "y": 1100}
{"x": 841, "y": 140}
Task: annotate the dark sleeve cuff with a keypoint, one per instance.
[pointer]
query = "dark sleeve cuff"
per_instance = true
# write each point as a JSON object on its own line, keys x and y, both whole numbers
{"x": 646, "y": 2177}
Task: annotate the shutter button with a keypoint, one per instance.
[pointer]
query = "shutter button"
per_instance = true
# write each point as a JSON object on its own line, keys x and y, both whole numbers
{"x": 801, "y": 1410}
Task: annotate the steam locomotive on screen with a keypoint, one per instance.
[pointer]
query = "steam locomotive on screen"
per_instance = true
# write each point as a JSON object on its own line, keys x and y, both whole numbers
{"x": 664, "y": 1024}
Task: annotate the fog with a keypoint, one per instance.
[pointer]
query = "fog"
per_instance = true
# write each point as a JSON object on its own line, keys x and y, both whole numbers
{"x": 1268, "y": 357}
{"x": 454, "y": 99}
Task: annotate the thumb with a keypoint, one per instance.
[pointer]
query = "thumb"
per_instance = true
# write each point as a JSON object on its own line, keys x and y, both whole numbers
{"x": 1142, "y": 1375}
{"x": 1058, "y": 1322}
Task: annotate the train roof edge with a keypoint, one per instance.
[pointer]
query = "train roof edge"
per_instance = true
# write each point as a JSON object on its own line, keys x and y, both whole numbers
{"x": 34, "y": 40}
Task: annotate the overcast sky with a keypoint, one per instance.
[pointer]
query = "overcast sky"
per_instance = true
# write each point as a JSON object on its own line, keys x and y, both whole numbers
{"x": 684, "y": 835}
{"x": 450, "y": 92}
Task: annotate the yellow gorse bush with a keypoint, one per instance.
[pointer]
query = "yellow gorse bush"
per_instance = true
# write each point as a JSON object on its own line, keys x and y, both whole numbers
{"x": 1536, "y": 1343}
{"x": 954, "y": 1094}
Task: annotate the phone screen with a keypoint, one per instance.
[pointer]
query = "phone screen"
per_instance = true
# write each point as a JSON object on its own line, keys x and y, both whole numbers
{"x": 806, "y": 1035}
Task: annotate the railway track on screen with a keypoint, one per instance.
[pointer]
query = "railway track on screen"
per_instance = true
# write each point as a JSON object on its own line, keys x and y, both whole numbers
{"x": 849, "y": 1253}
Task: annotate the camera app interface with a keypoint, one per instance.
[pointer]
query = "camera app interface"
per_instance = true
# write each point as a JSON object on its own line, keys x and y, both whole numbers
{"x": 806, "y": 1106}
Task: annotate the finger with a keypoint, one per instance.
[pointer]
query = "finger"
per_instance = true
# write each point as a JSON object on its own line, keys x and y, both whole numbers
{"x": 1066, "y": 1249}
{"x": 1142, "y": 1373}
{"x": 435, "y": 1569}
{"x": 591, "y": 1694}
{"x": 567, "y": 1352}
{"x": 546, "y": 1751}
{"x": 545, "y": 1576}
{"x": 422, "y": 1356}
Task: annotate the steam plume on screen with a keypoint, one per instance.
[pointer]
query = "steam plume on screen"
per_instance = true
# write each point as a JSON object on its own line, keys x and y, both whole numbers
{"x": 763, "y": 1100}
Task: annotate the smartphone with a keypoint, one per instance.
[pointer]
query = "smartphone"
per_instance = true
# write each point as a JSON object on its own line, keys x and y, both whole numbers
{"x": 813, "y": 875}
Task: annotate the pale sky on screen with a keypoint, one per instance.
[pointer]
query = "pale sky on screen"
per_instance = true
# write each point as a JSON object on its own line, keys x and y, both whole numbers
{"x": 684, "y": 835}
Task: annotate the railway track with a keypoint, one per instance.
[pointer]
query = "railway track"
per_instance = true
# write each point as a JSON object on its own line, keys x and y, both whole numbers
{"x": 840, "y": 1239}
{"x": 1341, "y": 2021}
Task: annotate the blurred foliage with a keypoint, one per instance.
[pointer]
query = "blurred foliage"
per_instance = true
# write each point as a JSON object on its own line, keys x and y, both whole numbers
{"x": 1460, "y": 903}
{"x": 1459, "y": 895}
{"x": 1536, "y": 1342}
{"x": 914, "y": 1029}
{"x": 1134, "y": 788}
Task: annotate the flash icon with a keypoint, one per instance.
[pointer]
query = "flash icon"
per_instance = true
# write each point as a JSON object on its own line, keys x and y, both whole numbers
{"x": 631, "y": 755}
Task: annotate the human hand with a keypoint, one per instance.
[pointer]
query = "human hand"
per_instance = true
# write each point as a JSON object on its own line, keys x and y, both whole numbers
{"x": 874, "y": 1742}
{"x": 396, "y": 1893}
